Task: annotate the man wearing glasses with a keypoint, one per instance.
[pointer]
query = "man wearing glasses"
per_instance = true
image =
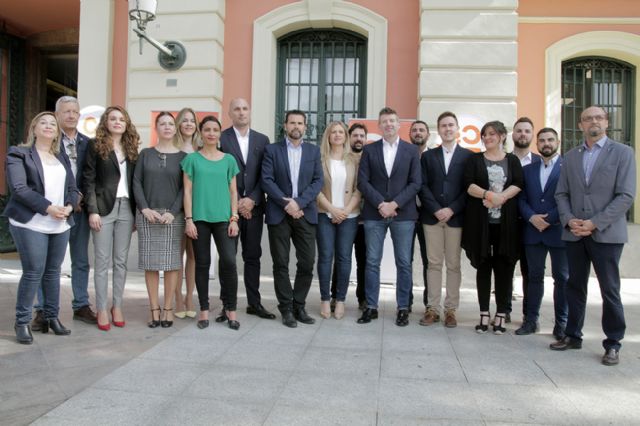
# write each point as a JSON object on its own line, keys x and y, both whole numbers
{"x": 596, "y": 189}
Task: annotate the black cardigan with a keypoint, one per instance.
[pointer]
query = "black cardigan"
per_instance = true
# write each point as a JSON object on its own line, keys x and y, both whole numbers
{"x": 475, "y": 232}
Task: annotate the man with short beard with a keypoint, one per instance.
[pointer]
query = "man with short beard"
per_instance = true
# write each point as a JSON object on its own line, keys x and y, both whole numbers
{"x": 542, "y": 234}
{"x": 596, "y": 189}
{"x": 522, "y": 136}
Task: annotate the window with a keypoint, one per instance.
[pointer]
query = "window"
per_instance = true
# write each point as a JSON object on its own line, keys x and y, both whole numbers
{"x": 323, "y": 73}
{"x": 600, "y": 81}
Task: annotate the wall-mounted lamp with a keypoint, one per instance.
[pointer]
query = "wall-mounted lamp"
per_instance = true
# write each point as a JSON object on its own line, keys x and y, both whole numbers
{"x": 172, "y": 54}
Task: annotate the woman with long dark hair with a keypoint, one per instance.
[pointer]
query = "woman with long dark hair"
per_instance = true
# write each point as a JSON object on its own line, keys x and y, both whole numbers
{"x": 490, "y": 236}
{"x": 108, "y": 177}
{"x": 43, "y": 196}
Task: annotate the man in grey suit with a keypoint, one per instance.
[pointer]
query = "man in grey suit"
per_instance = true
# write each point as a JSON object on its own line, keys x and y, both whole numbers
{"x": 596, "y": 189}
{"x": 247, "y": 147}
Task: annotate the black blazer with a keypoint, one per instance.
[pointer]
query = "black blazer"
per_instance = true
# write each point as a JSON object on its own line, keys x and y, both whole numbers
{"x": 402, "y": 186}
{"x": 248, "y": 180}
{"x": 26, "y": 183}
{"x": 101, "y": 179}
{"x": 442, "y": 189}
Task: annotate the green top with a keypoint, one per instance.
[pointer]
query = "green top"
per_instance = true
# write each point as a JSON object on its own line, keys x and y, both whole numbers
{"x": 210, "y": 197}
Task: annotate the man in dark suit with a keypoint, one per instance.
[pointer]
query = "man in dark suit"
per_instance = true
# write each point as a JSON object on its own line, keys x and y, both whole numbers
{"x": 443, "y": 196}
{"x": 292, "y": 178}
{"x": 75, "y": 147}
{"x": 389, "y": 179}
{"x": 522, "y": 137}
{"x": 542, "y": 234}
{"x": 596, "y": 189}
{"x": 247, "y": 147}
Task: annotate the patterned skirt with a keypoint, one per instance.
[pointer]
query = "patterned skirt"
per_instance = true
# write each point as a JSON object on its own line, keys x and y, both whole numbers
{"x": 159, "y": 245}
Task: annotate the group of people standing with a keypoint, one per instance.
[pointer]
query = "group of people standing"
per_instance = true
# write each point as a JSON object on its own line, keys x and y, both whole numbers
{"x": 199, "y": 183}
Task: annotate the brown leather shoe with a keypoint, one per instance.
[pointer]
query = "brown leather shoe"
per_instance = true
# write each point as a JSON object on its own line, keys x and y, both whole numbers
{"x": 450, "y": 319}
{"x": 38, "y": 321}
{"x": 85, "y": 314}
{"x": 430, "y": 316}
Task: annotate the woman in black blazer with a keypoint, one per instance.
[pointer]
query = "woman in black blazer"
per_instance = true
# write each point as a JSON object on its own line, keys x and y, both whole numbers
{"x": 108, "y": 177}
{"x": 43, "y": 195}
{"x": 491, "y": 234}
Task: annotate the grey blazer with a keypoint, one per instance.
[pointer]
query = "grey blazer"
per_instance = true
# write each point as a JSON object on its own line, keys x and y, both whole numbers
{"x": 606, "y": 199}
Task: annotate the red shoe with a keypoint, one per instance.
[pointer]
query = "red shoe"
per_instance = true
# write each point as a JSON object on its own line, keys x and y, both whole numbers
{"x": 116, "y": 323}
{"x": 103, "y": 327}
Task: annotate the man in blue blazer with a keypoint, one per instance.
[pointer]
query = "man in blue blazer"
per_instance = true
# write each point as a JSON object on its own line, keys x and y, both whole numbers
{"x": 75, "y": 147}
{"x": 389, "y": 180}
{"x": 247, "y": 147}
{"x": 542, "y": 234}
{"x": 443, "y": 196}
{"x": 596, "y": 189}
{"x": 292, "y": 179}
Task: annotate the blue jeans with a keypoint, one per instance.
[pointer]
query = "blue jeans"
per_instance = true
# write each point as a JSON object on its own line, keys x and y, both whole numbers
{"x": 536, "y": 257}
{"x": 402, "y": 237}
{"x": 40, "y": 257}
{"x": 335, "y": 240}
{"x": 79, "y": 251}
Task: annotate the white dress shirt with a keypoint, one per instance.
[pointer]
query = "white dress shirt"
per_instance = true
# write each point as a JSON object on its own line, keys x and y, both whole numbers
{"x": 390, "y": 149}
{"x": 243, "y": 141}
{"x": 448, "y": 155}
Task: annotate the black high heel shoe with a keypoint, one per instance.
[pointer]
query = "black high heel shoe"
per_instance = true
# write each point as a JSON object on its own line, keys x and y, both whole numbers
{"x": 23, "y": 334}
{"x": 483, "y": 327}
{"x": 56, "y": 326}
{"x": 165, "y": 323}
{"x": 498, "y": 324}
{"x": 154, "y": 323}
{"x": 233, "y": 324}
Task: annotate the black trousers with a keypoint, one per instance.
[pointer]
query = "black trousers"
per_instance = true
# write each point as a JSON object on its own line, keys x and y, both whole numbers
{"x": 227, "y": 270}
{"x": 361, "y": 260}
{"x": 303, "y": 236}
{"x": 524, "y": 271}
{"x": 251, "y": 238}
{"x": 605, "y": 259}
{"x": 422, "y": 240}
{"x": 502, "y": 267}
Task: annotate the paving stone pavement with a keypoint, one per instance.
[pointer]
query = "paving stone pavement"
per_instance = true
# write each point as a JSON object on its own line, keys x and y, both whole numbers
{"x": 332, "y": 372}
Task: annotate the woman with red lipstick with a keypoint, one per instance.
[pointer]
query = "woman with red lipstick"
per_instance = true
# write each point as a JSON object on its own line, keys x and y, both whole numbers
{"x": 108, "y": 177}
{"x": 211, "y": 210}
{"x": 190, "y": 141}
{"x": 157, "y": 186}
{"x": 43, "y": 195}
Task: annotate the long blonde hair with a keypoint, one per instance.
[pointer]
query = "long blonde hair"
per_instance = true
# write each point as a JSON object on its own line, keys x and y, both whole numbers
{"x": 196, "y": 140}
{"x": 31, "y": 135}
{"x": 325, "y": 146}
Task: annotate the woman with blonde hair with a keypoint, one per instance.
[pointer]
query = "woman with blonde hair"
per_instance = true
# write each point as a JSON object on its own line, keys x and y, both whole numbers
{"x": 157, "y": 185}
{"x": 338, "y": 210}
{"x": 189, "y": 141}
{"x": 108, "y": 177}
{"x": 43, "y": 196}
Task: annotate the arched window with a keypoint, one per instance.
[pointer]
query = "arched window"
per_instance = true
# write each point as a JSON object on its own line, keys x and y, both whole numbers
{"x": 323, "y": 73}
{"x": 600, "y": 81}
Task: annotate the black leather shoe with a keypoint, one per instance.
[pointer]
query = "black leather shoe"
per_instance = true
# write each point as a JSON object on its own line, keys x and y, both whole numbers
{"x": 222, "y": 316}
{"x": 368, "y": 315}
{"x": 289, "y": 320}
{"x": 402, "y": 320}
{"x": 203, "y": 324}
{"x": 260, "y": 311}
{"x": 302, "y": 316}
{"x": 56, "y": 326}
{"x": 233, "y": 324}
{"x": 23, "y": 334}
{"x": 85, "y": 314}
{"x": 566, "y": 343}
{"x": 611, "y": 357}
{"x": 38, "y": 321}
{"x": 526, "y": 328}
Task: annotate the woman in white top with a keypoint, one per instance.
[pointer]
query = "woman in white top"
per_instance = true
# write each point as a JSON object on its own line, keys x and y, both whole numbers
{"x": 190, "y": 141}
{"x": 108, "y": 179}
{"x": 338, "y": 209}
{"x": 43, "y": 194}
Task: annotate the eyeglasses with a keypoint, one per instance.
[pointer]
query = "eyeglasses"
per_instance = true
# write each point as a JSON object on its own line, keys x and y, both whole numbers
{"x": 163, "y": 159}
{"x": 594, "y": 118}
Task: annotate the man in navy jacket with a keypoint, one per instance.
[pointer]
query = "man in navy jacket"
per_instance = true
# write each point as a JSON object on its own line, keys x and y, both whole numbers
{"x": 542, "y": 234}
{"x": 389, "y": 179}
